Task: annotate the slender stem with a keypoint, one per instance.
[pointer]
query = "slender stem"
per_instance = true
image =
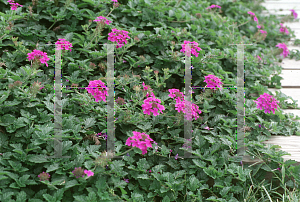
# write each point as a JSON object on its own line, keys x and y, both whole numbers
{"x": 52, "y": 24}
{"x": 3, "y": 36}
{"x": 125, "y": 152}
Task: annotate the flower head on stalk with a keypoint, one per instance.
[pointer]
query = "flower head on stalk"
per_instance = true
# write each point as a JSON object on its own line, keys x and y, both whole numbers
{"x": 38, "y": 56}
{"x": 140, "y": 140}
{"x": 194, "y": 47}
{"x": 44, "y": 176}
{"x": 14, "y": 6}
{"x": 98, "y": 89}
{"x": 118, "y": 36}
{"x": 294, "y": 13}
{"x": 64, "y": 44}
{"x": 283, "y": 29}
{"x": 285, "y": 52}
{"x": 213, "y": 81}
{"x": 267, "y": 102}
{"x": 151, "y": 105}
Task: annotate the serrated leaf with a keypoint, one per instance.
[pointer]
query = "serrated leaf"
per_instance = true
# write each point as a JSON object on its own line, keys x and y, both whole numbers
{"x": 143, "y": 176}
{"x": 89, "y": 122}
{"x": 37, "y": 158}
{"x": 71, "y": 183}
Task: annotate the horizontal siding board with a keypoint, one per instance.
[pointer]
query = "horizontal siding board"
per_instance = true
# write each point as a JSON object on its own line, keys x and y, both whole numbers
{"x": 290, "y": 78}
{"x": 276, "y": 5}
{"x": 290, "y": 63}
{"x": 292, "y": 92}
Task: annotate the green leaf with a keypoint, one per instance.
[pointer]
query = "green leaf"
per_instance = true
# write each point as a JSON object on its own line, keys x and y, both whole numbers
{"x": 199, "y": 163}
{"x": 21, "y": 196}
{"x": 37, "y": 158}
{"x": 194, "y": 183}
{"x": 71, "y": 183}
{"x": 52, "y": 167}
{"x": 143, "y": 176}
{"x": 166, "y": 199}
{"x": 89, "y": 122}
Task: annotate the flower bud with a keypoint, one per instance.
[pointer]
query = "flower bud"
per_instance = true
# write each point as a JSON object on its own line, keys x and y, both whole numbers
{"x": 198, "y": 15}
{"x": 78, "y": 172}
{"x": 44, "y": 176}
{"x": 156, "y": 72}
{"x": 92, "y": 65}
{"x": 120, "y": 101}
{"x": 17, "y": 83}
{"x": 137, "y": 88}
{"x": 143, "y": 58}
{"x": 136, "y": 39}
{"x": 173, "y": 43}
{"x": 11, "y": 86}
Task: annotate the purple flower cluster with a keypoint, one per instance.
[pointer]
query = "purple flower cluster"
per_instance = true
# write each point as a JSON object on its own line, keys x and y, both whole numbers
{"x": 64, "y": 44}
{"x": 14, "y": 5}
{"x": 213, "y": 6}
{"x": 294, "y": 13}
{"x": 285, "y": 52}
{"x": 194, "y": 46}
{"x": 213, "y": 81}
{"x": 283, "y": 29}
{"x": 38, "y": 55}
{"x": 101, "y": 19}
{"x": 119, "y": 36}
{"x": 99, "y": 94}
{"x": 267, "y": 102}
{"x": 140, "y": 140}
{"x": 79, "y": 172}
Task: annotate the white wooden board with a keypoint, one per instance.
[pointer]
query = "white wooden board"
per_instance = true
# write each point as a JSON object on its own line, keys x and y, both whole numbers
{"x": 290, "y": 78}
{"x": 276, "y": 5}
{"x": 292, "y": 92}
{"x": 290, "y": 63}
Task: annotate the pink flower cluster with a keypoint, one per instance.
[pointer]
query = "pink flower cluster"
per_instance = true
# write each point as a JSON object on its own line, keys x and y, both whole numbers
{"x": 294, "y": 13}
{"x": 180, "y": 103}
{"x": 254, "y": 17}
{"x": 79, "y": 172}
{"x": 119, "y": 36}
{"x": 64, "y": 44}
{"x": 140, "y": 140}
{"x": 263, "y": 32}
{"x": 213, "y": 81}
{"x": 101, "y": 19}
{"x": 38, "y": 55}
{"x": 258, "y": 57}
{"x": 285, "y": 52}
{"x": 115, "y": 1}
{"x": 266, "y": 102}
{"x": 151, "y": 105}
{"x": 98, "y": 93}
{"x": 213, "y": 6}
{"x": 283, "y": 29}
{"x": 14, "y": 5}
{"x": 193, "y": 47}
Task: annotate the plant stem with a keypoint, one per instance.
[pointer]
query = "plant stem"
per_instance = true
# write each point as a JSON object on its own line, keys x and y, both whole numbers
{"x": 125, "y": 152}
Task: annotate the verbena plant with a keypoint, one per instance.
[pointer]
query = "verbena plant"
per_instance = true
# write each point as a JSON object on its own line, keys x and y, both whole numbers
{"x": 150, "y": 61}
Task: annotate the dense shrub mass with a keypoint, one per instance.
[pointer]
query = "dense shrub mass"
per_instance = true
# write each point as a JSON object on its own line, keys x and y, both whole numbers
{"x": 153, "y": 40}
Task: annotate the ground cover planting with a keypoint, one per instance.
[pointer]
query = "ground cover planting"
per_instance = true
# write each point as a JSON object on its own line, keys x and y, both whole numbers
{"x": 154, "y": 41}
